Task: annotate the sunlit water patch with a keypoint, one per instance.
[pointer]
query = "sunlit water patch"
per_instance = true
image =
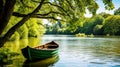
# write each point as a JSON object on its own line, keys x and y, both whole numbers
{"x": 86, "y": 52}
{"x": 73, "y": 51}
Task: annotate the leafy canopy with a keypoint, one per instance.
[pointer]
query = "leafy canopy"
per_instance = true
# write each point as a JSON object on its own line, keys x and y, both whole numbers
{"x": 46, "y": 9}
{"x": 66, "y": 9}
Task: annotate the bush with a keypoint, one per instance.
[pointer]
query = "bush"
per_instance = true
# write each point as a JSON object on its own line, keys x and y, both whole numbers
{"x": 112, "y": 25}
{"x": 6, "y": 56}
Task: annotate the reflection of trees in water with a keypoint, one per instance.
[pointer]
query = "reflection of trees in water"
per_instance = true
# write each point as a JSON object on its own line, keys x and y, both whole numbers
{"x": 16, "y": 46}
{"x": 105, "y": 51}
{"x": 42, "y": 63}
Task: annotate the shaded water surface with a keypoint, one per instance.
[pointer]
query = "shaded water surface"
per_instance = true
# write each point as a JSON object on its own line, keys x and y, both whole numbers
{"x": 74, "y": 52}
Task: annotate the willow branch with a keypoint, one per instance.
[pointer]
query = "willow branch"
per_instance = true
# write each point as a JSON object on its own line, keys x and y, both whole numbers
{"x": 57, "y": 7}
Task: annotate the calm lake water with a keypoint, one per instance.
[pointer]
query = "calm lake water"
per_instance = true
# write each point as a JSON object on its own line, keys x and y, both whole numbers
{"x": 74, "y": 52}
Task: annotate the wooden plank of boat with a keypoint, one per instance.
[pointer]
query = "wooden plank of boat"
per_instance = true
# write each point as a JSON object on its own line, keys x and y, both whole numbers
{"x": 41, "y": 52}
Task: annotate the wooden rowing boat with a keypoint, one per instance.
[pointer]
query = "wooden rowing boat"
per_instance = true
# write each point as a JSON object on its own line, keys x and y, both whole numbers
{"x": 41, "y": 52}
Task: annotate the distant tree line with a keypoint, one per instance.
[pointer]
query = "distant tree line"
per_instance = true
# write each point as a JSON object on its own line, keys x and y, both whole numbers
{"x": 100, "y": 24}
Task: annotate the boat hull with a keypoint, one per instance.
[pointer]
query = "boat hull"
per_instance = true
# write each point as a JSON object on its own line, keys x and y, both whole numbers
{"x": 36, "y": 54}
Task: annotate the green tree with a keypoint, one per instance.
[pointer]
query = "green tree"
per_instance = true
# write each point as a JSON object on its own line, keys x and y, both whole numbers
{"x": 117, "y": 11}
{"x": 47, "y": 9}
{"x": 112, "y": 25}
{"x": 98, "y": 30}
{"x": 105, "y": 15}
{"x": 90, "y": 24}
{"x": 23, "y": 31}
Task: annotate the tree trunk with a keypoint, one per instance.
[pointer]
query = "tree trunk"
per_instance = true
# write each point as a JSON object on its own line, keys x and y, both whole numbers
{"x": 5, "y": 13}
{"x": 1, "y": 9}
{"x": 20, "y": 23}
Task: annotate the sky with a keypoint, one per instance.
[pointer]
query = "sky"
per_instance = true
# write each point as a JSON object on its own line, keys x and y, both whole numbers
{"x": 102, "y": 7}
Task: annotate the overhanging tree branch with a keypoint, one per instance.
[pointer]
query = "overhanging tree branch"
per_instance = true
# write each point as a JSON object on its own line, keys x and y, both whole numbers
{"x": 18, "y": 14}
{"x": 36, "y": 16}
{"x": 70, "y": 4}
{"x": 20, "y": 23}
{"x": 35, "y": 1}
{"x": 58, "y": 7}
{"x": 50, "y": 18}
{"x": 46, "y": 14}
{"x": 51, "y": 12}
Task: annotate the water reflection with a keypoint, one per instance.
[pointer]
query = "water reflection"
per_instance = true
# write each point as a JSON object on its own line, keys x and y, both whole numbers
{"x": 20, "y": 61}
{"x": 16, "y": 46}
{"x": 87, "y": 52}
{"x": 42, "y": 63}
{"x": 74, "y": 51}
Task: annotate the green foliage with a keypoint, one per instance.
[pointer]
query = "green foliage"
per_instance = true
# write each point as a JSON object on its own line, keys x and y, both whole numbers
{"x": 80, "y": 35}
{"x": 71, "y": 11}
{"x": 23, "y": 31}
{"x": 11, "y": 23}
{"x": 15, "y": 36}
{"x": 105, "y": 15}
{"x": 96, "y": 25}
{"x": 98, "y": 30}
{"x": 25, "y": 8}
{"x": 93, "y": 7}
{"x": 35, "y": 28}
{"x": 6, "y": 56}
{"x": 33, "y": 32}
{"x": 89, "y": 24}
{"x": 32, "y": 27}
{"x": 97, "y": 19}
{"x": 108, "y": 4}
{"x": 117, "y": 11}
{"x": 112, "y": 25}
{"x": 41, "y": 29}
{"x": 74, "y": 24}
